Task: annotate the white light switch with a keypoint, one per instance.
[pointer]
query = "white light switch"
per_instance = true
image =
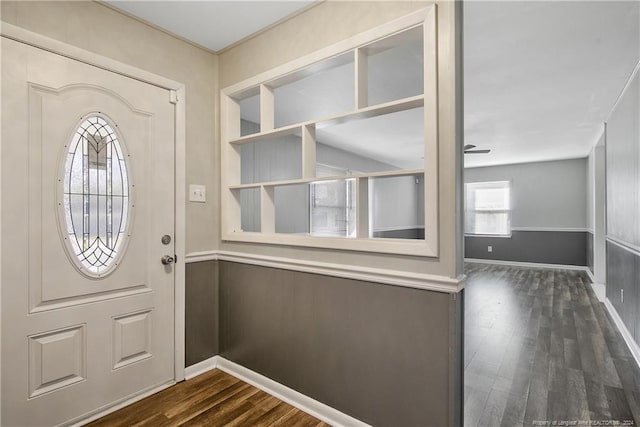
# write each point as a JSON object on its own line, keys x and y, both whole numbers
{"x": 489, "y": 248}
{"x": 197, "y": 193}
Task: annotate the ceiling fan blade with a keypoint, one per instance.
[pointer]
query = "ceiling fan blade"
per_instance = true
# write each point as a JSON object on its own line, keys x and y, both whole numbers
{"x": 468, "y": 147}
{"x": 477, "y": 151}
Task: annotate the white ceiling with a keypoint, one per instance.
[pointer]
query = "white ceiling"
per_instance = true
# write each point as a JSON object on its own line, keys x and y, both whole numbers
{"x": 540, "y": 77}
{"x": 211, "y": 24}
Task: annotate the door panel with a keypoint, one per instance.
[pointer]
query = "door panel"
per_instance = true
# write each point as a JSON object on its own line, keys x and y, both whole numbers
{"x": 73, "y": 343}
{"x": 49, "y": 114}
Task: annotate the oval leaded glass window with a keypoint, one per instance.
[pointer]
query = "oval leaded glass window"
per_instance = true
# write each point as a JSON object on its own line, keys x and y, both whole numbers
{"x": 96, "y": 196}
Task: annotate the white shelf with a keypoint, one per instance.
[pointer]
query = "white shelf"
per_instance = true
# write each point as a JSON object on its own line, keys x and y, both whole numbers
{"x": 359, "y": 114}
{"x": 403, "y": 172}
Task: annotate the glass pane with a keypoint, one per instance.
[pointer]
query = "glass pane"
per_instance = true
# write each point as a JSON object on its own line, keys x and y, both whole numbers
{"x": 487, "y": 207}
{"x": 250, "y": 209}
{"x": 95, "y": 194}
{"x": 383, "y": 143}
{"x": 491, "y": 198}
{"x": 396, "y": 207}
{"x": 276, "y": 159}
{"x": 333, "y": 210}
{"x": 491, "y": 223}
{"x": 117, "y": 178}
{"x": 321, "y": 90}
{"x": 292, "y": 208}
{"x": 395, "y": 67}
{"x": 75, "y": 216}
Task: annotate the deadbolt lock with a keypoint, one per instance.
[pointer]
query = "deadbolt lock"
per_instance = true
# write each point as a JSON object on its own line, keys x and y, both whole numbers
{"x": 166, "y": 239}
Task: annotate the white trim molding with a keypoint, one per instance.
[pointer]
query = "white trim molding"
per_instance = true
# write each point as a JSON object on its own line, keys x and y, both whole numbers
{"x": 590, "y": 274}
{"x": 368, "y": 274}
{"x": 528, "y": 264}
{"x": 629, "y": 247}
{"x": 628, "y": 338}
{"x": 200, "y": 367}
{"x": 296, "y": 399}
{"x": 600, "y": 290}
{"x": 201, "y": 256}
{"x": 552, "y": 229}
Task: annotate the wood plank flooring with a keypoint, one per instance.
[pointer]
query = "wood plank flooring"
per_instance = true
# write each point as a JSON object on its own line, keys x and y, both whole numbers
{"x": 211, "y": 399}
{"x": 539, "y": 346}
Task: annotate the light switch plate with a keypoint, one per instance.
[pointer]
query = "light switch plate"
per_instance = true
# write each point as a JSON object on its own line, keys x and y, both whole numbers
{"x": 197, "y": 193}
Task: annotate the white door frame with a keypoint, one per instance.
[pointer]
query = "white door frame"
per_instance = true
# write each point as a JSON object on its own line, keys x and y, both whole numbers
{"x": 55, "y": 46}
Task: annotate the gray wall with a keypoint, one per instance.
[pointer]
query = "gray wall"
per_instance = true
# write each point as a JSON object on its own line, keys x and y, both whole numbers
{"x": 543, "y": 194}
{"x": 201, "y": 311}
{"x": 547, "y": 199}
{"x": 623, "y": 207}
{"x": 557, "y": 247}
{"x": 384, "y": 354}
{"x": 623, "y": 275}
{"x": 589, "y": 251}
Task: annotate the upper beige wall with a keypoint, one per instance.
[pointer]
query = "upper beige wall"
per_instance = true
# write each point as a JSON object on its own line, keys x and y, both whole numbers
{"x": 99, "y": 29}
{"x": 318, "y": 27}
{"x": 331, "y": 22}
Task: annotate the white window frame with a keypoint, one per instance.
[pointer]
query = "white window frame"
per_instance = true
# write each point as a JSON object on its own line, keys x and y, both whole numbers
{"x": 230, "y": 138}
{"x": 489, "y": 184}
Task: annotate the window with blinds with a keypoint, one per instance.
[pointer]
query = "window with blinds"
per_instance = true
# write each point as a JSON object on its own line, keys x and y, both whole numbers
{"x": 488, "y": 208}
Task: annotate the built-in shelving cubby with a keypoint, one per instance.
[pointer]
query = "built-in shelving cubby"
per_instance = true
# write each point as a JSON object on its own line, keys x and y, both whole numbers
{"x": 338, "y": 149}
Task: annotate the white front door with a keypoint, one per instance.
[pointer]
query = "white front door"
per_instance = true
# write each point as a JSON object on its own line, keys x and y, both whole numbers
{"x": 87, "y": 196}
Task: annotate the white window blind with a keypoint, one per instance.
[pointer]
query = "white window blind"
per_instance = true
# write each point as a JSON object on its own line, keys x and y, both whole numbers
{"x": 488, "y": 208}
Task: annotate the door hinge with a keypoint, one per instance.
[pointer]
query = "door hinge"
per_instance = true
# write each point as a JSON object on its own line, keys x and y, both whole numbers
{"x": 173, "y": 96}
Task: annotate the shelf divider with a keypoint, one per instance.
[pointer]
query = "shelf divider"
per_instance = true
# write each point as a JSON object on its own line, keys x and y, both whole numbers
{"x": 267, "y": 116}
{"x": 362, "y": 208}
{"x": 309, "y": 151}
{"x": 362, "y": 78}
{"x": 267, "y": 210}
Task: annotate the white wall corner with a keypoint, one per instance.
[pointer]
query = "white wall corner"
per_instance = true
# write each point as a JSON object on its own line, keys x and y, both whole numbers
{"x": 200, "y": 367}
{"x": 600, "y": 290}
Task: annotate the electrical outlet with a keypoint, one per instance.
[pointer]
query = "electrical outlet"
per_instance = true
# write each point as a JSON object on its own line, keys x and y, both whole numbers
{"x": 621, "y": 295}
{"x": 197, "y": 193}
{"x": 489, "y": 248}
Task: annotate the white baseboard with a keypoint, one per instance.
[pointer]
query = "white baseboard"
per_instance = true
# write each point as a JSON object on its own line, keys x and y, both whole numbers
{"x": 600, "y": 290}
{"x": 304, "y": 403}
{"x": 628, "y": 338}
{"x": 590, "y": 274}
{"x": 200, "y": 367}
{"x": 527, "y": 264}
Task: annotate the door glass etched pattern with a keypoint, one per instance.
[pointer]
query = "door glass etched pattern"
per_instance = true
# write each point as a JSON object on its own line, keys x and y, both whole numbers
{"x": 96, "y": 195}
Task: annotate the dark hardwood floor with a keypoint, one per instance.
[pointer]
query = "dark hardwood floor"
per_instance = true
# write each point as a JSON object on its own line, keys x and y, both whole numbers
{"x": 211, "y": 399}
{"x": 539, "y": 346}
